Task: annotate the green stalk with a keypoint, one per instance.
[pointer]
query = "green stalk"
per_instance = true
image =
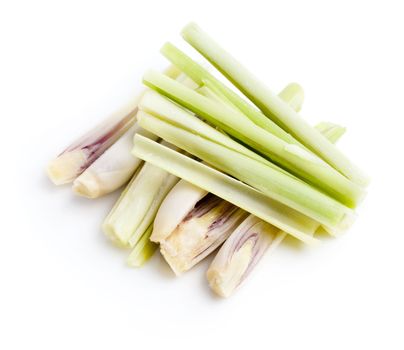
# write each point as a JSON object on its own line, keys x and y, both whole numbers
{"x": 226, "y": 187}
{"x": 202, "y": 77}
{"x": 270, "y": 104}
{"x": 290, "y": 156}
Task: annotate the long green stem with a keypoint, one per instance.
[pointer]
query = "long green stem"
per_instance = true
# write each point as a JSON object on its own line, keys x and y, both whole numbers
{"x": 202, "y": 77}
{"x": 270, "y": 104}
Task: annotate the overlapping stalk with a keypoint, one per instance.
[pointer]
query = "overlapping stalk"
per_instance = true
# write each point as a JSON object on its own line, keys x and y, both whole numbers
{"x": 292, "y": 157}
{"x": 270, "y": 104}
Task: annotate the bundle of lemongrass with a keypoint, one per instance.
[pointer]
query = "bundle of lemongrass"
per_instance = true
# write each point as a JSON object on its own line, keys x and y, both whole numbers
{"x": 221, "y": 173}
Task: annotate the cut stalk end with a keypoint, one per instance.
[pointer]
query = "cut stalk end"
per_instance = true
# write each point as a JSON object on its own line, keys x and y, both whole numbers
{"x": 66, "y": 167}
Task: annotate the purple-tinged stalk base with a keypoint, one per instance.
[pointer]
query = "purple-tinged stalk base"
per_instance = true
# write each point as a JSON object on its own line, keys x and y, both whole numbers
{"x": 83, "y": 152}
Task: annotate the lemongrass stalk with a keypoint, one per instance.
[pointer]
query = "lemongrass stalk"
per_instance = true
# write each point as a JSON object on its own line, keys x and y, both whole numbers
{"x": 203, "y": 77}
{"x": 273, "y": 183}
{"x": 175, "y": 207}
{"x": 245, "y": 247}
{"x": 135, "y": 209}
{"x": 290, "y": 156}
{"x": 84, "y": 151}
{"x": 112, "y": 169}
{"x": 271, "y": 105}
{"x": 205, "y": 227}
{"x": 143, "y": 250}
{"x": 226, "y": 187}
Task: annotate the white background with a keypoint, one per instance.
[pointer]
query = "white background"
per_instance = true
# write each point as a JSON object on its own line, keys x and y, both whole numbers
{"x": 67, "y": 64}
